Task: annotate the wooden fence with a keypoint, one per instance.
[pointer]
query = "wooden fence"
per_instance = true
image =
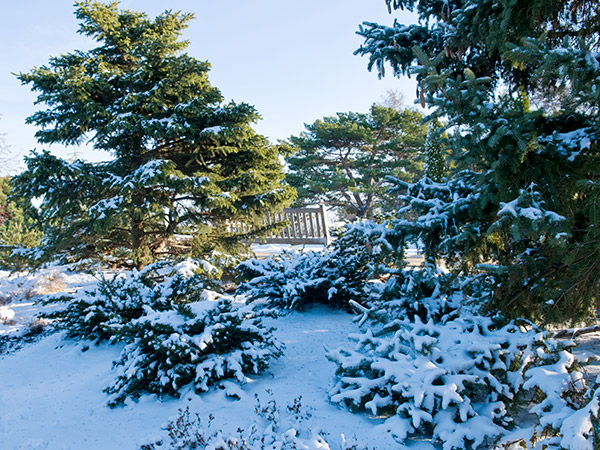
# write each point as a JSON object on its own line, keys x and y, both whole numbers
{"x": 306, "y": 226}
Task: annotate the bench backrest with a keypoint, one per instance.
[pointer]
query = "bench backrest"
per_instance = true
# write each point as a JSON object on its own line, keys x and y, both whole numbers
{"x": 306, "y": 226}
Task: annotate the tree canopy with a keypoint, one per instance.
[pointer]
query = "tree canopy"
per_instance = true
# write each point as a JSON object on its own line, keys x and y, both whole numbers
{"x": 184, "y": 160}
{"x": 518, "y": 87}
{"x": 343, "y": 160}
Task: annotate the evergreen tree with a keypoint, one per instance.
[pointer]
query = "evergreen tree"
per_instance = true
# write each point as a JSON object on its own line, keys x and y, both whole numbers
{"x": 434, "y": 153}
{"x": 183, "y": 159}
{"x": 343, "y": 160}
{"x": 525, "y": 193}
{"x": 18, "y": 225}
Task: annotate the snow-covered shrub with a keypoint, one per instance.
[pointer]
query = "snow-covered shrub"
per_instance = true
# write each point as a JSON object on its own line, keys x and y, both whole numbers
{"x": 99, "y": 314}
{"x": 334, "y": 277}
{"x": 273, "y": 428}
{"x": 459, "y": 377}
{"x": 196, "y": 344}
{"x": 175, "y": 332}
{"x": 426, "y": 293}
{"x": 289, "y": 282}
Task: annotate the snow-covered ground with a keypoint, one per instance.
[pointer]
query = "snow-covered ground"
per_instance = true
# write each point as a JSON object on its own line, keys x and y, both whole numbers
{"x": 413, "y": 254}
{"x": 51, "y": 390}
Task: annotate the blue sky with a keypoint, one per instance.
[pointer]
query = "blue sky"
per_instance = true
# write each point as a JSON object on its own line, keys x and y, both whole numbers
{"x": 291, "y": 59}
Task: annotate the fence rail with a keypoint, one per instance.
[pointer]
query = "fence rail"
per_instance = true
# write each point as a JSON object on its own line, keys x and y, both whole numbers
{"x": 306, "y": 226}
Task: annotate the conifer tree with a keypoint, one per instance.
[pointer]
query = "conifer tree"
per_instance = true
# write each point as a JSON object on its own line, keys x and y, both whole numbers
{"x": 525, "y": 192}
{"x": 184, "y": 160}
{"x": 19, "y": 227}
{"x": 434, "y": 155}
{"x": 343, "y": 160}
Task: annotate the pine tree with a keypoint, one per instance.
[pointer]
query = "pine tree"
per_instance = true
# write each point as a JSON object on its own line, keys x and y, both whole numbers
{"x": 184, "y": 159}
{"x": 343, "y": 160}
{"x": 525, "y": 191}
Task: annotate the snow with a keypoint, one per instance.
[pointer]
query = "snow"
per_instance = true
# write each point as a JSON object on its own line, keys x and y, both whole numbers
{"x": 103, "y": 206}
{"x": 276, "y": 249}
{"x": 147, "y": 172}
{"x": 51, "y": 391}
{"x": 6, "y": 314}
{"x": 215, "y": 129}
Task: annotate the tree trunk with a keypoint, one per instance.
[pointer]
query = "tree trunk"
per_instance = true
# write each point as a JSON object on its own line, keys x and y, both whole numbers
{"x": 141, "y": 255}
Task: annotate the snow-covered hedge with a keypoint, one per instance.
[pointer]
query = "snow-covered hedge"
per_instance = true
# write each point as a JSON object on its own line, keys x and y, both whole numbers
{"x": 437, "y": 369}
{"x": 334, "y": 277}
{"x": 176, "y": 332}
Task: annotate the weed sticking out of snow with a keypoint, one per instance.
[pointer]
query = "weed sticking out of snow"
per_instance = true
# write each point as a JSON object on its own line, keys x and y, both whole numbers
{"x": 26, "y": 334}
{"x": 26, "y": 286}
{"x": 273, "y": 428}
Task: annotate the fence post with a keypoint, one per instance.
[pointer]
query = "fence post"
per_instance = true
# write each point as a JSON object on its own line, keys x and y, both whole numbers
{"x": 325, "y": 227}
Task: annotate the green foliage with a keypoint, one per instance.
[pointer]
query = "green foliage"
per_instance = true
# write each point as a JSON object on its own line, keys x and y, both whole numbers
{"x": 426, "y": 360}
{"x": 334, "y": 278}
{"x": 198, "y": 345}
{"x": 183, "y": 157}
{"x": 521, "y": 205}
{"x": 343, "y": 161}
{"x": 464, "y": 381}
{"x": 175, "y": 333}
{"x": 18, "y": 226}
{"x": 100, "y": 315}
{"x": 435, "y": 167}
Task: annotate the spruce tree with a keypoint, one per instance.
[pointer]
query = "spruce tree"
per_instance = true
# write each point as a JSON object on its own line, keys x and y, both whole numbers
{"x": 521, "y": 207}
{"x": 184, "y": 160}
{"x": 343, "y": 160}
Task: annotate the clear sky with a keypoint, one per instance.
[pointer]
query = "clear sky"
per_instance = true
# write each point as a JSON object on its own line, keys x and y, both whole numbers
{"x": 292, "y": 59}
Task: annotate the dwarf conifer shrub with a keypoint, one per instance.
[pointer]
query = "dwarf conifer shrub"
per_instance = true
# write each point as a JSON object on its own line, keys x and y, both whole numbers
{"x": 438, "y": 369}
{"x": 175, "y": 330}
{"x": 289, "y": 282}
{"x": 197, "y": 344}
{"x": 361, "y": 253}
{"x": 99, "y": 314}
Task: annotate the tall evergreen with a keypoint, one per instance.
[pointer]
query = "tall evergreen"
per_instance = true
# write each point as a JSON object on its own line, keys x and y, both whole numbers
{"x": 343, "y": 160}
{"x": 184, "y": 160}
{"x": 522, "y": 206}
